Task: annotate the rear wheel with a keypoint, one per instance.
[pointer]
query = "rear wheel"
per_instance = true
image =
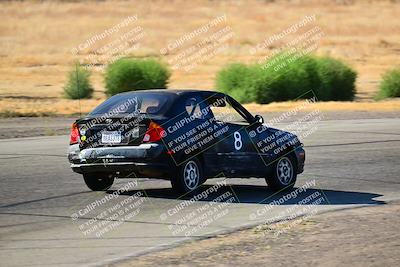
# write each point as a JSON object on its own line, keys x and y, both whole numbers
{"x": 188, "y": 177}
{"x": 98, "y": 181}
{"x": 284, "y": 174}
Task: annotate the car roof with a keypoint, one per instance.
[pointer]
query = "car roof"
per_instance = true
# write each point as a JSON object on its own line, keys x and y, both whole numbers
{"x": 175, "y": 91}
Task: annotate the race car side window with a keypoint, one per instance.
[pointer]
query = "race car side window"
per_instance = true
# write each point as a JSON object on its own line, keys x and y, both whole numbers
{"x": 224, "y": 112}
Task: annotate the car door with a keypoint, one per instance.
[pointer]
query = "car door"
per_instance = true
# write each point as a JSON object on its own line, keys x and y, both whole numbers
{"x": 235, "y": 151}
{"x": 263, "y": 139}
{"x": 189, "y": 133}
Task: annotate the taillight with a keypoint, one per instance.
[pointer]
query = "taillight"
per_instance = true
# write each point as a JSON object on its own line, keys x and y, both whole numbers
{"x": 154, "y": 133}
{"x": 74, "y": 137}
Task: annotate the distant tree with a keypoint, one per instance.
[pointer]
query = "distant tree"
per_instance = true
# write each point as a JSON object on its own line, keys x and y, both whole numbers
{"x": 78, "y": 85}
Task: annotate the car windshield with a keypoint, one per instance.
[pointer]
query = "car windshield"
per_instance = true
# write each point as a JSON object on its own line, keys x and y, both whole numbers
{"x": 137, "y": 102}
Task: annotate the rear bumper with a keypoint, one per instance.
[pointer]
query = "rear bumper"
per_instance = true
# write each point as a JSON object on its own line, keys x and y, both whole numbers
{"x": 126, "y": 169}
{"x": 145, "y": 160}
{"x": 143, "y": 151}
{"x": 301, "y": 158}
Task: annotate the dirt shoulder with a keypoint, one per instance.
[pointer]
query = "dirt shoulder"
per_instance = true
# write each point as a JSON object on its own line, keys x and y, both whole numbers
{"x": 368, "y": 236}
{"x": 34, "y": 126}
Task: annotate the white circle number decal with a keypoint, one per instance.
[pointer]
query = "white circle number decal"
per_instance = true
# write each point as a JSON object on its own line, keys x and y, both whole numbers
{"x": 238, "y": 140}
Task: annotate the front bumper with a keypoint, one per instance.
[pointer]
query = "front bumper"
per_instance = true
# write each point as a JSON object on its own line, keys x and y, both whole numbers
{"x": 145, "y": 160}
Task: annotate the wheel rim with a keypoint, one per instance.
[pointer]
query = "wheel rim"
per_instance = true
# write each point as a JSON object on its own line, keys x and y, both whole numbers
{"x": 191, "y": 175}
{"x": 284, "y": 170}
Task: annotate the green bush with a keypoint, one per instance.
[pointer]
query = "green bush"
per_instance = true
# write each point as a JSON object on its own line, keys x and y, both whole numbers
{"x": 337, "y": 80}
{"x": 235, "y": 80}
{"x": 78, "y": 85}
{"x": 128, "y": 74}
{"x": 287, "y": 79}
{"x": 288, "y": 76}
{"x": 390, "y": 84}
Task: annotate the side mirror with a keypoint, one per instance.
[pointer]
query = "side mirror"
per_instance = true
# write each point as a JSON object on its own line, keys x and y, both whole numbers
{"x": 259, "y": 118}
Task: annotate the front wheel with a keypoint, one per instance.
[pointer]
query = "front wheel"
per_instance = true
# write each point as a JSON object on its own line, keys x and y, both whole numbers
{"x": 284, "y": 174}
{"x": 188, "y": 177}
{"x": 98, "y": 181}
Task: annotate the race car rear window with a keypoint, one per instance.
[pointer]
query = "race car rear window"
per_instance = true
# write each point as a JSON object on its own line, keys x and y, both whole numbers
{"x": 137, "y": 102}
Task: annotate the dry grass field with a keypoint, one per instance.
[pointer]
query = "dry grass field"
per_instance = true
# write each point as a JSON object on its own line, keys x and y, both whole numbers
{"x": 36, "y": 40}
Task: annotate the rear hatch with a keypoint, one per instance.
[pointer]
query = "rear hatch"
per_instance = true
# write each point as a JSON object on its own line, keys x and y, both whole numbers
{"x": 115, "y": 131}
{"x": 123, "y": 119}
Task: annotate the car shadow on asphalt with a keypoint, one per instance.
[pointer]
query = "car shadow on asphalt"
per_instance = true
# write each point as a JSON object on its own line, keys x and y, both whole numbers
{"x": 263, "y": 195}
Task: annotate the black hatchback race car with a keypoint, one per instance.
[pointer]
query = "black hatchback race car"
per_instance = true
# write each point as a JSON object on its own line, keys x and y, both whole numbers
{"x": 185, "y": 136}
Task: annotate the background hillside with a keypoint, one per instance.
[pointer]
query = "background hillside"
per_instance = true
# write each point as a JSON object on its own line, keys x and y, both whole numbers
{"x": 37, "y": 41}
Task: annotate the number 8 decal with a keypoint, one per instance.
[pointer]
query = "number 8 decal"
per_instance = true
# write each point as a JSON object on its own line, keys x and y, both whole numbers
{"x": 238, "y": 140}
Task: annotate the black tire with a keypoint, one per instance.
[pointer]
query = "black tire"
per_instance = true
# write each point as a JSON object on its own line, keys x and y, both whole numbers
{"x": 284, "y": 174}
{"x": 189, "y": 176}
{"x": 98, "y": 181}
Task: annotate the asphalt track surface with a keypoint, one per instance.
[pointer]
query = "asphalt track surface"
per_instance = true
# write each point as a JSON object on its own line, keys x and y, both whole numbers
{"x": 349, "y": 163}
